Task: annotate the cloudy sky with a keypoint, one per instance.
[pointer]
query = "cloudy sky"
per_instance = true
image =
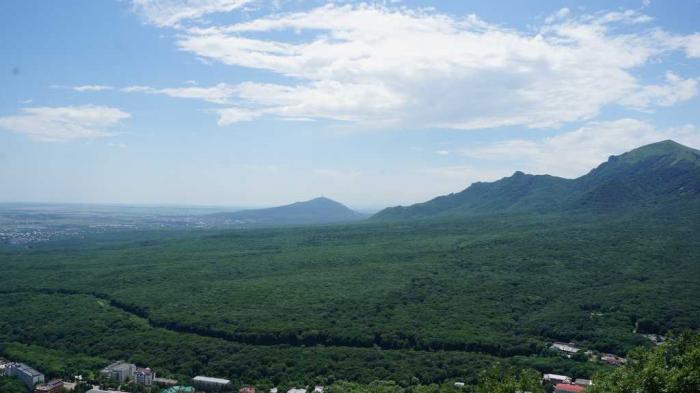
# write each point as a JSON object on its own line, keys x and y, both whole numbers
{"x": 257, "y": 103}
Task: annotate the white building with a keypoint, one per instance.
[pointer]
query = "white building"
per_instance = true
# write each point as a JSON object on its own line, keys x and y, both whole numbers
{"x": 119, "y": 371}
{"x": 564, "y": 347}
{"x": 209, "y": 383}
{"x": 26, "y": 374}
{"x": 296, "y": 390}
{"x": 556, "y": 378}
{"x": 144, "y": 376}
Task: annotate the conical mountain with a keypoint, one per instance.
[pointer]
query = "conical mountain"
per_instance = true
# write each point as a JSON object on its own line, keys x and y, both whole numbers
{"x": 315, "y": 211}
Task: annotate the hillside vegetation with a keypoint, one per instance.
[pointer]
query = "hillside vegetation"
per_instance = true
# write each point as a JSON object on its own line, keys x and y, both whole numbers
{"x": 660, "y": 173}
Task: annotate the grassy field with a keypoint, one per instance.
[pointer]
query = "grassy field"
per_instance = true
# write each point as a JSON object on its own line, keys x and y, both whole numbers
{"x": 425, "y": 300}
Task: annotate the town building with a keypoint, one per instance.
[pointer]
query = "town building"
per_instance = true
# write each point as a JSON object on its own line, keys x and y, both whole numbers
{"x": 210, "y": 384}
{"x": 583, "y": 382}
{"x": 566, "y": 348}
{"x": 296, "y": 390}
{"x": 144, "y": 376}
{"x": 568, "y": 388}
{"x": 613, "y": 359}
{"x": 246, "y": 389}
{"x": 318, "y": 389}
{"x": 556, "y": 378}
{"x": 4, "y": 365}
{"x": 53, "y": 386}
{"x": 119, "y": 371}
{"x": 26, "y": 374}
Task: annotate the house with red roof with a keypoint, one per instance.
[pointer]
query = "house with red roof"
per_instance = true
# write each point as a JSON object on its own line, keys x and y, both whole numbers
{"x": 568, "y": 388}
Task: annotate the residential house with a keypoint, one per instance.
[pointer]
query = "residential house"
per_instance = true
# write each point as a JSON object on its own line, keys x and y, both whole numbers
{"x": 568, "y": 388}
{"x": 296, "y": 390}
{"x": 318, "y": 389}
{"x": 246, "y": 389}
{"x": 53, "y": 386}
{"x": 119, "y": 371}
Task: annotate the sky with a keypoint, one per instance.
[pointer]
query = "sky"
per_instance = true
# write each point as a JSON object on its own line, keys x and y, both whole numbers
{"x": 373, "y": 104}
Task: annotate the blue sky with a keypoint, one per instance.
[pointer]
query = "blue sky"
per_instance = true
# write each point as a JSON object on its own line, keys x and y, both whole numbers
{"x": 257, "y": 103}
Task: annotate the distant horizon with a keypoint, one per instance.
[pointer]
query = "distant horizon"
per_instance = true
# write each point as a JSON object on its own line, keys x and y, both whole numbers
{"x": 366, "y": 209}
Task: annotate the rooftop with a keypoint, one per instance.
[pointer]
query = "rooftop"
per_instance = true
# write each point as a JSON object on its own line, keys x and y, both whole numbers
{"x": 563, "y": 387}
{"x": 220, "y": 381}
{"x": 26, "y": 369}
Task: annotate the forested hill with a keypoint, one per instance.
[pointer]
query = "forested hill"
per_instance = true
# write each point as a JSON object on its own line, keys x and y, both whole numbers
{"x": 315, "y": 211}
{"x": 659, "y": 173}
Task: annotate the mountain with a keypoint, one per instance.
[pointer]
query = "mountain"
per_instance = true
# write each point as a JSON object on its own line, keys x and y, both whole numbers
{"x": 662, "y": 172}
{"x": 315, "y": 211}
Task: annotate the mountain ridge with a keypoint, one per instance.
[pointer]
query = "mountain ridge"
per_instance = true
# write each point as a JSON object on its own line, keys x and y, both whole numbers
{"x": 664, "y": 171}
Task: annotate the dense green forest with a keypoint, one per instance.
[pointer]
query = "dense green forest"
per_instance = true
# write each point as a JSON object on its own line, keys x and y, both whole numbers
{"x": 428, "y": 302}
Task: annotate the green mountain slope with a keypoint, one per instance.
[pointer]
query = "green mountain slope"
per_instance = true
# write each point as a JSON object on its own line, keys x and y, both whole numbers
{"x": 315, "y": 211}
{"x": 662, "y": 172}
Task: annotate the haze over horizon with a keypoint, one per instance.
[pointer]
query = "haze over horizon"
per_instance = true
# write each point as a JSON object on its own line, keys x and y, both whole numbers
{"x": 251, "y": 103}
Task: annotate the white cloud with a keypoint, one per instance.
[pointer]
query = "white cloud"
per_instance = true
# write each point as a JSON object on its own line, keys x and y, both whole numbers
{"x": 218, "y": 94}
{"x": 56, "y": 124}
{"x": 574, "y": 153}
{"x": 692, "y": 45}
{"x": 170, "y": 13}
{"x": 397, "y": 66}
{"x": 92, "y": 88}
{"x": 442, "y": 152}
{"x": 675, "y": 90}
{"x": 236, "y": 115}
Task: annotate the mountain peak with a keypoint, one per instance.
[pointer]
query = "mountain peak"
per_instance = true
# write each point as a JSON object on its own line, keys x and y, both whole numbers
{"x": 667, "y": 148}
{"x": 315, "y": 211}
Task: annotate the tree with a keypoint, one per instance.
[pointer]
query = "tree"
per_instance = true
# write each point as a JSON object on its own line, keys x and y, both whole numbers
{"x": 504, "y": 380}
{"x": 673, "y": 367}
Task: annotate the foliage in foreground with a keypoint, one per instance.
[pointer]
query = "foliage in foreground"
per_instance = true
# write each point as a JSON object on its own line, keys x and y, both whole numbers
{"x": 673, "y": 367}
{"x": 11, "y": 385}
